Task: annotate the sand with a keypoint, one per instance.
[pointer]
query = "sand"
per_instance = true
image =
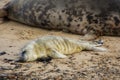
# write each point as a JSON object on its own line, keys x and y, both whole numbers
{"x": 86, "y": 65}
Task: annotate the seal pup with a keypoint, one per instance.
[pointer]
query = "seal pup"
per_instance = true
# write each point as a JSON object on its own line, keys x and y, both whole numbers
{"x": 84, "y": 17}
{"x": 55, "y": 47}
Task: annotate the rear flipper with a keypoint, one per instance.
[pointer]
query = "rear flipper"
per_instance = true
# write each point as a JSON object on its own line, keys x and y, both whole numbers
{"x": 99, "y": 49}
{"x": 96, "y": 43}
{"x": 93, "y": 47}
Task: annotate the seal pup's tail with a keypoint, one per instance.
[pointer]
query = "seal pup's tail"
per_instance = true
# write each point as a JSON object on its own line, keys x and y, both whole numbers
{"x": 92, "y": 46}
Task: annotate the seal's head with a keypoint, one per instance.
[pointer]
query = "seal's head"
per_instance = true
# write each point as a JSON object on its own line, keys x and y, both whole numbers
{"x": 28, "y": 53}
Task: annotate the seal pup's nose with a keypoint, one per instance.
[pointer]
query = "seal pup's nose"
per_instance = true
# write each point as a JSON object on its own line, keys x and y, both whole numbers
{"x": 22, "y": 57}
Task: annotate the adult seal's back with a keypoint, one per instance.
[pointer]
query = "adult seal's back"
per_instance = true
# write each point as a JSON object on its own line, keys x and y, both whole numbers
{"x": 99, "y": 17}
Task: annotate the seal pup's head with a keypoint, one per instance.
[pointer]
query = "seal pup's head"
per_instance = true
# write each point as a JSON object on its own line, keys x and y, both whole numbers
{"x": 28, "y": 52}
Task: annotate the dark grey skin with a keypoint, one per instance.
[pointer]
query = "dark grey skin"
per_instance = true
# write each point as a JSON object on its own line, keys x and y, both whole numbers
{"x": 98, "y": 17}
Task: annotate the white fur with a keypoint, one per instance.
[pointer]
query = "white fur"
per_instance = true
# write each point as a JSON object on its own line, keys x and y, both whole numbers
{"x": 56, "y": 47}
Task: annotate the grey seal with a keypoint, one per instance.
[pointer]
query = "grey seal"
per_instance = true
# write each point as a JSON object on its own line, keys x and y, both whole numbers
{"x": 84, "y": 17}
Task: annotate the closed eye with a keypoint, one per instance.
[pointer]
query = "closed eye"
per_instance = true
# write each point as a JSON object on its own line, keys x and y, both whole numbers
{"x": 23, "y": 53}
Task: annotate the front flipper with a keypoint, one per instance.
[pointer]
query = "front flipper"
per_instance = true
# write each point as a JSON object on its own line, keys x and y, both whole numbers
{"x": 56, "y": 54}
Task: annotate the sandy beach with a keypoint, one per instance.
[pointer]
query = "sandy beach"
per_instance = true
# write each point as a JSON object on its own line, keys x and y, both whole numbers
{"x": 86, "y": 65}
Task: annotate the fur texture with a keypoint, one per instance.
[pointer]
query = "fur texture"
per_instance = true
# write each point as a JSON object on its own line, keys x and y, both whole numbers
{"x": 84, "y": 17}
{"x": 55, "y": 47}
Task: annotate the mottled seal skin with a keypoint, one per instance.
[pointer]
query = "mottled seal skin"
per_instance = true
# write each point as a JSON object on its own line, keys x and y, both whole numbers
{"x": 55, "y": 47}
{"x": 99, "y": 17}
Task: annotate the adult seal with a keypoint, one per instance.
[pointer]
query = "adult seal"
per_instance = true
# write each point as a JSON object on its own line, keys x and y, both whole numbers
{"x": 98, "y": 17}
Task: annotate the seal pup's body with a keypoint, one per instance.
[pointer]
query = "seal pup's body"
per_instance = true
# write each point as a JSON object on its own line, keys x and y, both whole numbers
{"x": 91, "y": 17}
{"x": 55, "y": 47}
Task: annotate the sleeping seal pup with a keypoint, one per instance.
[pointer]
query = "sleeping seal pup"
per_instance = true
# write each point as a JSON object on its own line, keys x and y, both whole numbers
{"x": 55, "y": 47}
{"x": 84, "y": 17}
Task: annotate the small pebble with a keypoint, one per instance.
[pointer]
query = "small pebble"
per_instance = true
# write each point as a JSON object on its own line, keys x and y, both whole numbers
{"x": 10, "y": 46}
{"x": 3, "y": 75}
{"x": 12, "y": 29}
{"x": 117, "y": 57}
{"x": 96, "y": 53}
{"x": 18, "y": 66}
{"x": 2, "y": 53}
{"x": 6, "y": 68}
{"x": 28, "y": 65}
{"x": 8, "y": 60}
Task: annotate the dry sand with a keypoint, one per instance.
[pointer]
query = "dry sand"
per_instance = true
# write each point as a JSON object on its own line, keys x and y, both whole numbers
{"x": 86, "y": 65}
